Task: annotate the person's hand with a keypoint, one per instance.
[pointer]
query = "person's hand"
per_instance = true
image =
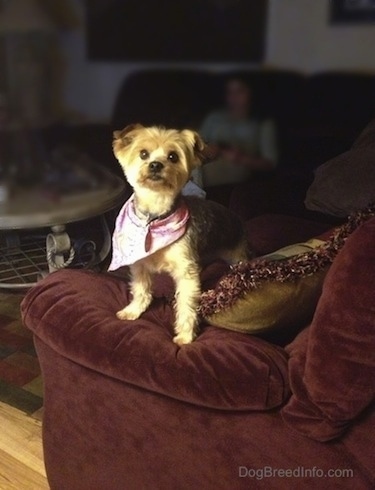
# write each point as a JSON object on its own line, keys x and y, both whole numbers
{"x": 238, "y": 157}
{"x": 230, "y": 154}
{"x": 254, "y": 162}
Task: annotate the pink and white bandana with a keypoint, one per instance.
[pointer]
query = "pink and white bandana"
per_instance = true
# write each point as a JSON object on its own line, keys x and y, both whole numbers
{"x": 133, "y": 239}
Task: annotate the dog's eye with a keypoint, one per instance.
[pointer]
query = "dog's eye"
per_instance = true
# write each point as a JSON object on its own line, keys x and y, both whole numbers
{"x": 173, "y": 157}
{"x": 144, "y": 154}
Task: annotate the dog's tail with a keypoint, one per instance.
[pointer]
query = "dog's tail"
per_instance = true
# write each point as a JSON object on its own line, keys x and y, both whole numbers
{"x": 241, "y": 253}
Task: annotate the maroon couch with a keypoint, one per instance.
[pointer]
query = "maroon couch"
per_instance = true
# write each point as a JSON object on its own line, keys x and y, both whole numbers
{"x": 126, "y": 409}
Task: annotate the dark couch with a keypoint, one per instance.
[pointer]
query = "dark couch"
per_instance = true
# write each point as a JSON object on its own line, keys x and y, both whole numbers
{"x": 317, "y": 117}
{"x": 125, "y": 408}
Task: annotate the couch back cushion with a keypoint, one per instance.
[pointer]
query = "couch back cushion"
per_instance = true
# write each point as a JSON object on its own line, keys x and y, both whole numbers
{"x": 332, "y": 364}
{"x": 173, "y": 98}
{"x": 340, "y": 99}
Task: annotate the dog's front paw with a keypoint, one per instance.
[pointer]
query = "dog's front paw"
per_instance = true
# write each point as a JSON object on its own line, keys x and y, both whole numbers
{"x": 129, "y": 313}
{"x": 183, "y": 338}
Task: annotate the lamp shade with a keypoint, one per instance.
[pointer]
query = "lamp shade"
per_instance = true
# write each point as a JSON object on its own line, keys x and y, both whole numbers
{"x": 23, "y": 16}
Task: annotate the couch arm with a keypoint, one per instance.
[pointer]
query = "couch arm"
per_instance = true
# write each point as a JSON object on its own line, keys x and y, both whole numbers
{"x": 74, "y": 313}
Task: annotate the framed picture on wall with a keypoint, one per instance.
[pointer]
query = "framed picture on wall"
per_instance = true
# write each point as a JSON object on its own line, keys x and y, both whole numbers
{"x": 178, "y": 31}
{"x": 352, "y": 11}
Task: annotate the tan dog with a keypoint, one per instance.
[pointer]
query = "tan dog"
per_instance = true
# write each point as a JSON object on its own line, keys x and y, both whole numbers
{"x": 160, "y": 231}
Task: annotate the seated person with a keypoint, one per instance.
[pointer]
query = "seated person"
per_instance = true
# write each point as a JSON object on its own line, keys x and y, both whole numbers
{"x": 244, "y": 143}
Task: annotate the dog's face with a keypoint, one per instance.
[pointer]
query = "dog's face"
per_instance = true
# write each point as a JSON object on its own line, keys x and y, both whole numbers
{"x": 157, "y": 159}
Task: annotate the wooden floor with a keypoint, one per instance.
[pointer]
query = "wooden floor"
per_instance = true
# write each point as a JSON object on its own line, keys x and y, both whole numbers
{"x": 21, "y": 456}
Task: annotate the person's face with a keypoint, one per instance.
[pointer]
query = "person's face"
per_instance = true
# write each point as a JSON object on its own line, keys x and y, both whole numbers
{"x": 237, "y": 97}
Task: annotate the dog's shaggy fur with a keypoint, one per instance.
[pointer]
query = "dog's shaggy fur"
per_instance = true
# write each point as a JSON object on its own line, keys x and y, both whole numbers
{"x": 157, "y": 163}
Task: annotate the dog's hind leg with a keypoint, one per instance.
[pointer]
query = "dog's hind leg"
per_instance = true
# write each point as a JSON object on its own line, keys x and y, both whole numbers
{"x": 141, "y": 287}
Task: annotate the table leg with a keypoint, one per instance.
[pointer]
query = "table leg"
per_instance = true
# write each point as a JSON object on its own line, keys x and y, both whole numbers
{"x": 60, "y": 253}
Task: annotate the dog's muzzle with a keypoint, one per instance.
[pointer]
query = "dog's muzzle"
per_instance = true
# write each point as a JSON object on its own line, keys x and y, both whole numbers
{"x": 155, "y": 167}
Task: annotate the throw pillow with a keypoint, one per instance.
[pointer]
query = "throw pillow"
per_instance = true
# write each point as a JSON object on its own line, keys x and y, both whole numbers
{"x": 274, "y": 304}
{"x": 281, "y": 284}
{"x": 347, "y": 182}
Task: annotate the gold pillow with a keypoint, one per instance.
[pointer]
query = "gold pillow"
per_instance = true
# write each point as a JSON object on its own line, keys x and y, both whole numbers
{"x": 275, "y": 305}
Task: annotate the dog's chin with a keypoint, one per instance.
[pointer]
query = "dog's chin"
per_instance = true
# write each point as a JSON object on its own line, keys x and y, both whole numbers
{"x": 154, "y": 182}
{"x": 155, "y": 178}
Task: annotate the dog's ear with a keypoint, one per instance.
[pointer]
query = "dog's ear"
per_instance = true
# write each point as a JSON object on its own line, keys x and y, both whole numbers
{"x": 123, "y": 137}
{"x": 204, "y": 152}
{"x": 124, "y": 134}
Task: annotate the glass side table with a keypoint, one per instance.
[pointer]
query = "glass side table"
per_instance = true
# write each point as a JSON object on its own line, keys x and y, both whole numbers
{"x": 26, "y": 255}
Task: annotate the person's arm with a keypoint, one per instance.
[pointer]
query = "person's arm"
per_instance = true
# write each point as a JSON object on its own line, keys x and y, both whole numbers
{"x": 206, "y": 131}
{"x": 208, "y": 127}
{"x": 267, "y": 157}
{"x": 268, "y": 142}
{"x": 254, "y": 162}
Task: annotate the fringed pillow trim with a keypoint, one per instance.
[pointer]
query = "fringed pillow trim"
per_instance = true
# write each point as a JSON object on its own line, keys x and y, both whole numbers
{"x": 246, "y": 276}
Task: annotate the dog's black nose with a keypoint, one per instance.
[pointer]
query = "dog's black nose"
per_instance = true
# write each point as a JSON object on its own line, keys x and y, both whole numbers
{"x": 155, "y": 166}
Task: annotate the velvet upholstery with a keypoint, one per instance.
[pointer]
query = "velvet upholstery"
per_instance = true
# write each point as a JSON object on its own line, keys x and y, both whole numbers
{"x": 270, "y": 232}
{"x": 82, "y": 307}
{"x": 103, "y": 434}
{"x": 332, "y": 371}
